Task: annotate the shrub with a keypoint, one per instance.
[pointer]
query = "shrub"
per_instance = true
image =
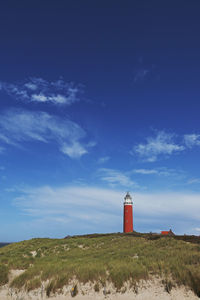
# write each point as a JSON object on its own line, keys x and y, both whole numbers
{"x": 33, "y": 284}
{"x": 168, "y": 285}
{"x": 96, "y": 287}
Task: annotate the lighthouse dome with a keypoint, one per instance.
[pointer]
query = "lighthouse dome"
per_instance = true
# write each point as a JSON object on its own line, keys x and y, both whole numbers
{"x": 128, "y": 199}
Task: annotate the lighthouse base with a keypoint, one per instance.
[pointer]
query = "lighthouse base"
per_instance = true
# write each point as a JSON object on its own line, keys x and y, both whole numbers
{"x": 128, "y": 218}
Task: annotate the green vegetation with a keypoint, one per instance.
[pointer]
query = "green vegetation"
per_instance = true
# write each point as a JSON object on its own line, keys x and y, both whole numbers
{"x": 3, "y": 274}
{"x": 100, "y": 258}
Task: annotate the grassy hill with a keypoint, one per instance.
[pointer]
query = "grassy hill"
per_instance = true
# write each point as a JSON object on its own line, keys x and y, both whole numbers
{"x": 100, "y": 258}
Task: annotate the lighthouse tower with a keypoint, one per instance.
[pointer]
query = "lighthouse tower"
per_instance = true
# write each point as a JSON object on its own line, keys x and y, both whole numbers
{"x": 128, "y": 213}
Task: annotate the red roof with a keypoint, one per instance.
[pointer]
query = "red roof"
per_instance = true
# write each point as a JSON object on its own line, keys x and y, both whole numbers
{"x": 170, "y": 232}
{"x": 165, "y": 232}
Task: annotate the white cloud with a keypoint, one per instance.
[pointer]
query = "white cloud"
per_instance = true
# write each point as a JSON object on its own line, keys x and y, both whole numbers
{"x": 40, "y": 90}
{"x": 145, "y": 171}
{"x": 115, "y": 177}
{"x": 101, "y": 210}
{"x": 31, "y": 86}
{"x": 18, "y": 126}
{"x": 39, "y": 97}
{"x": 192, "y": 140}
{"x": 57, "y": 99}
{"x": 103, "y": 160}
{"x": 163, "y": 144}
{"x": 193, "y": 181}
{"x": 79, "y": 208}
{"x": 162, "y": 171}
{"x": 165, "y": 204}
{"x": 74, "y": 150}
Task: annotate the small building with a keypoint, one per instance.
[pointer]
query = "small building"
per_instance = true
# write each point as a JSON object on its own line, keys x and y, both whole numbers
{"x": 170, "y": 233}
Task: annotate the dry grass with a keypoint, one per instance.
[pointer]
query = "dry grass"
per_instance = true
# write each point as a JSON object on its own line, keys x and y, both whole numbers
{"x": 116, "y": 258}
{"x": 3, "y": 274}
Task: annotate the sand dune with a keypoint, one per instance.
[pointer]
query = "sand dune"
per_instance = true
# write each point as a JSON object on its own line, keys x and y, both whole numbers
{"x": 147, "y": 290}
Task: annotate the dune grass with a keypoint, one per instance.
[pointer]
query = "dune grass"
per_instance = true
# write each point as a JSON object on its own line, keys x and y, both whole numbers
{"x": 3, "y": 274}
{"x": 116, "y": 258}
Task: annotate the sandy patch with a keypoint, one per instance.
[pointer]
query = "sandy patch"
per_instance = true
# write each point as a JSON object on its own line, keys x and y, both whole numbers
{"x": 34, "y": 253}
{"x": 147, "y": 290}
{"x": 14, "y": 273}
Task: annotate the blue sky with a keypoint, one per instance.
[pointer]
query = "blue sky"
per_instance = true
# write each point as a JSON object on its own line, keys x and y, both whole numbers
{"x": 97, "y": 98}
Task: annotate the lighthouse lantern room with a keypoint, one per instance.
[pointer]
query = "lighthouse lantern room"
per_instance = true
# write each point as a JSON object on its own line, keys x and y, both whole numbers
{"x": 128, "y": 213}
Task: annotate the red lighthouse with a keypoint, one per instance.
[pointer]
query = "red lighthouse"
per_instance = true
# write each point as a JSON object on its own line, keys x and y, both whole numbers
{"x": 128, "y": 213}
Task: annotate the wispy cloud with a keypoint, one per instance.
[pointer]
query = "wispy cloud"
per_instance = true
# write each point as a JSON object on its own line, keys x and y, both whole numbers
{"x": 163, "y": 144}
{"x": 194, "y": 181}
{"x": 74, "y": 150}
{"x": 162, "y": 171}
{"x": 145, "y": 171}
{"x": 79, "y": 208}
{"x": 192, "y": 140}
{"x": 144, "y": 71}
{"x": 141, "y": 74}
{"x": 100, "y": 210}
{"x": 116, "y": 178}
{"x": 103, "y": 159}
{"x": 19, "y": 126}
{"x": 40, "y": 90}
